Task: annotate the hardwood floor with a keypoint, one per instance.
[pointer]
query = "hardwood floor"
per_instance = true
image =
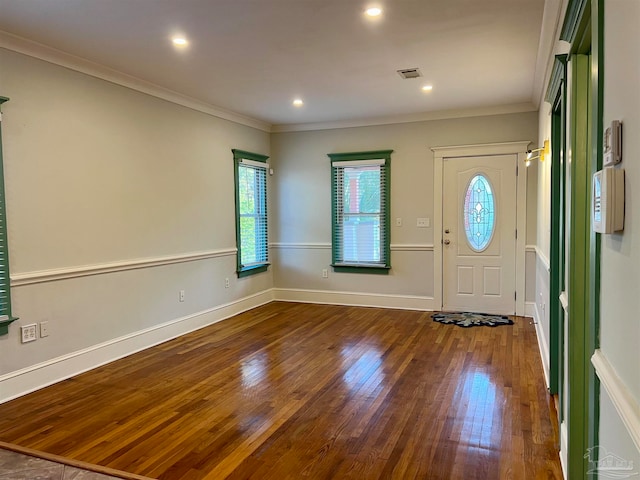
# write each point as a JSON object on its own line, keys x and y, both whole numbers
{"x": 308, "y": 391}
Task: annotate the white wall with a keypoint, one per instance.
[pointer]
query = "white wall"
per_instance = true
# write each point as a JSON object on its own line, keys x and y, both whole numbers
{"x": 543, "y": 239}
{"x": 302, "y": 201}
{"x": 614, "y": 435}
{"x": 97, "y": 174}
{"x": 620, "y": 254}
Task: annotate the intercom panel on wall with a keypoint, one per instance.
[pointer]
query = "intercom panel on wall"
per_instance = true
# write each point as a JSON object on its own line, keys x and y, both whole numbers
{"x": 608, "y": 200}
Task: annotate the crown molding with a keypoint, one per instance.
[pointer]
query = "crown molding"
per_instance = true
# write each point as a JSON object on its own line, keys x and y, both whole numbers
{"x": 48, "y": 54}
{"x": 37, "y": 50}
{"x": 410, "y": 118}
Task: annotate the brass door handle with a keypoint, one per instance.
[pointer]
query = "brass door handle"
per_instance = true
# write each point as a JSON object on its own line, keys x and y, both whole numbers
{"x": 447, "y": 242}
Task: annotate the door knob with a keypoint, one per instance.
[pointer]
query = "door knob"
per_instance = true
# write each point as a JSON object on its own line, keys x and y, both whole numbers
{"x": 447, "y": 242}
{"x": 447, "y": 231}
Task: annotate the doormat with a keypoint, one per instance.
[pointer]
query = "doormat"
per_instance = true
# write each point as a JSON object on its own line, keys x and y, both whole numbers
{"x": 469, "y": 319}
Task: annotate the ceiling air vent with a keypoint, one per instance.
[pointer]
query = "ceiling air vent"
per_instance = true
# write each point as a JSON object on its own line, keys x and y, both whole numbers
{"x": 409, "y": 73}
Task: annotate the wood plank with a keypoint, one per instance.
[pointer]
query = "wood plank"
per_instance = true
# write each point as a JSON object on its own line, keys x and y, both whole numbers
{"x": 70, "y": 462}
{"x": 315, "y": 391}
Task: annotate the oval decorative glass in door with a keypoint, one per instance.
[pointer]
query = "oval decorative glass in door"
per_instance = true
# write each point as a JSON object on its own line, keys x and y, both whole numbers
{"x": 479, "y": 213}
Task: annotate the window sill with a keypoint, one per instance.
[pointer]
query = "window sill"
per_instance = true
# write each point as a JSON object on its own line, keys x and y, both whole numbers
{"x": 252, "y": 270}
{"x": 4, "y": 325}
{"x": 355, "y": 268}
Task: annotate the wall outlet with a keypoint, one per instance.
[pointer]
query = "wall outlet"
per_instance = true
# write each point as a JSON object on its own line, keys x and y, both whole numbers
{"x": 182, "y": 295}
{"x": 422, "y": 222}
{"x": 325, "y": 273}
{"x": 44, "y": 329}
{"x": 29, "y": 333}
{"x": 226, "y": 283}
{"x": 398, "y": 222}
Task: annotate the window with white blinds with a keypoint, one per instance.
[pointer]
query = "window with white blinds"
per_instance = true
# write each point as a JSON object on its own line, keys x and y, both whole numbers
{"x": 360, "y": 209}
{"x": 251, "y": 212}
{"x": 5, "y": 295}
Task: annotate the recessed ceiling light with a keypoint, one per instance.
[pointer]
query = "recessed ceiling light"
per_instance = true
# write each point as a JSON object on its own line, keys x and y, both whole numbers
{"x": 180, "y": 41}
{"x": 298, "y": 102}
{"x": 373, "y": 11}
{"x": 427, "y": 88}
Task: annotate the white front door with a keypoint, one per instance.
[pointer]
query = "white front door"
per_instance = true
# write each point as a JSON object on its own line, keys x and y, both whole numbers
{"x": 479, "y": 234}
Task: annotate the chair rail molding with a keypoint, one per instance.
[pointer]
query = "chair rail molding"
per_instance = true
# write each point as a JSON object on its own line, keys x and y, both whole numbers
{"x": 42, "y": 276}
{"x": 625, "y": 403}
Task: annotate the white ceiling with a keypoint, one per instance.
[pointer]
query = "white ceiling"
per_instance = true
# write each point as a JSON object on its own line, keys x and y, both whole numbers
{"x": 254, "y": 57}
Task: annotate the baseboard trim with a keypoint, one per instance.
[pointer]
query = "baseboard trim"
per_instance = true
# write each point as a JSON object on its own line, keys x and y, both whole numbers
{"x": 35, "y": 377}
{"x": 543, "y": 346}
{"x": 626, "y": 405}
{"x": 356, "y": 299}
{"x": 564, "y": 436}
{"x": 530, "y": 309}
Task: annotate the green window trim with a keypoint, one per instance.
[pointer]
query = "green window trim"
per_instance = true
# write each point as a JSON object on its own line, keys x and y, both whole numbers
{"x": 261, "y": 234}
{"x": 252, "y": 270}
{"x": 4, "y": 325}
{"x": 557, "y": 79}
{"x": 5, "y": 281}
{"x": 361, "y": 269}
{"x": 575, "y": 20}
{"x": 339, "y": 265}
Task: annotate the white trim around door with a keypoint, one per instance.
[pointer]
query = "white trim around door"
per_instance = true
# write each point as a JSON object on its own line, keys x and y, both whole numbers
{"x": 439, "y": 154}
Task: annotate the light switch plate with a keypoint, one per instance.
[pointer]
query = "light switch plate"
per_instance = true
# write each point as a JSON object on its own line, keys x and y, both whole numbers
{"x": 44, "y": 329}
{"x": 422, "y": 223}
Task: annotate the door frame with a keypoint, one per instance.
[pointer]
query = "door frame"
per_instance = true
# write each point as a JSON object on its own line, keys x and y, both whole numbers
{"x": 557, "y": 97}
{"x": 508, "y": 148}
{"x": 583, "y": 29}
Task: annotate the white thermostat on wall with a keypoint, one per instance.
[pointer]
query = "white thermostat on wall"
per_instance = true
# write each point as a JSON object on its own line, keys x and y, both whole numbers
{"x": 612, "y": 144}
{"x": 608, "y": 200}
